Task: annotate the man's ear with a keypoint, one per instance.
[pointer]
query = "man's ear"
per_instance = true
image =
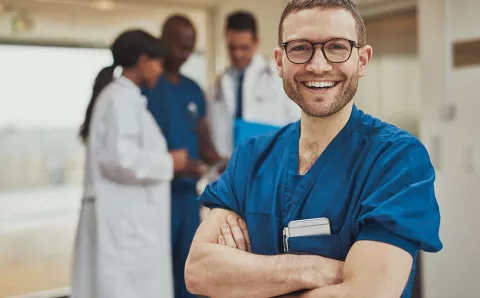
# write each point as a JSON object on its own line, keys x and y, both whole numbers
{"x": 365, "y": 55}
{"x": 142, "y": 59}
{"x": 256, "y": 44}
{"x": 278, "y": 55}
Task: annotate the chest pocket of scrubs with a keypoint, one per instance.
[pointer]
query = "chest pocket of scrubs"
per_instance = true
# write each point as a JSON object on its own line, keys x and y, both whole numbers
{"x": 328, "y": 246}
{"x": 260, "y": 197}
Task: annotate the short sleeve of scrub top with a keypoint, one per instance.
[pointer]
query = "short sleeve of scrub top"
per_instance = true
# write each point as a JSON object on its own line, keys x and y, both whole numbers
{"x": 398, "y": 204}
{"x": 222, "y": 193}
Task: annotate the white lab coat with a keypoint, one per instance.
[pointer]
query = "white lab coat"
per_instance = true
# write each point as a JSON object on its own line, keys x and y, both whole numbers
{"x": 123, "y": 240}
{"x": 264, "y": 101}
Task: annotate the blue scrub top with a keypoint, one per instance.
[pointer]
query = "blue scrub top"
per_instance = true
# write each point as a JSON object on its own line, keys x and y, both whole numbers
{"x": 177, "y": 108}
{"x": 373, "y": 182}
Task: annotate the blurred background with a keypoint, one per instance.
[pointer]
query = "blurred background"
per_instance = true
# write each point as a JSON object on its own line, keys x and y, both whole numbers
{"x": 424, "y": 78}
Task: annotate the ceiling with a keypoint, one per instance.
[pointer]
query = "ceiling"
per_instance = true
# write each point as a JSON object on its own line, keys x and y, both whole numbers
{"x": 80, "y": 22}
{"x": 367, "y": 7}
{"x": 111, "y": 4}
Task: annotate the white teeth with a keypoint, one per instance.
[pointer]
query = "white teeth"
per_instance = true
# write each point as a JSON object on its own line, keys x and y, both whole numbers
{"x": 320, "y": 84}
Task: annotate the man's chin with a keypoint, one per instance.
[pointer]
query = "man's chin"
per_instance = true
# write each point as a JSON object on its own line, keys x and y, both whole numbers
{"x": 317, "y": 112}
{"x": 318, "y": 100}
{"x": 240, "y": 66}
{"x": 151, "y": 85}
{"x": 323, "y": 107}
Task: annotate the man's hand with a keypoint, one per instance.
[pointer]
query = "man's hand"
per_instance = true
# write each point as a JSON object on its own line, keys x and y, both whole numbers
{"x": 195, "y": 169}
{"x": 224, "y": 162}
{"x": 234, "y": 233}
{"x": 180, "y": 159}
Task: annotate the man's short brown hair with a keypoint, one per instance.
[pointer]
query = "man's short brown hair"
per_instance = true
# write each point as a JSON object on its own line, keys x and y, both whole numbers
{"x": 298, "y": 5}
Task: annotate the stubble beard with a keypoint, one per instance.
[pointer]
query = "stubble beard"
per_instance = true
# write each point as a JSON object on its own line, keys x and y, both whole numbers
{"x": 319, "y": 108}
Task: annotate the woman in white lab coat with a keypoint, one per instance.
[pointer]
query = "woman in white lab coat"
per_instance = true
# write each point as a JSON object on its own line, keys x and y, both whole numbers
{"x": 123, "y": 239}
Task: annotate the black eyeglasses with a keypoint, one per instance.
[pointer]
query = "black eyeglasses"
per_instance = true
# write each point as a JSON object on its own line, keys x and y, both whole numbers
{"x": 336, "y": 50}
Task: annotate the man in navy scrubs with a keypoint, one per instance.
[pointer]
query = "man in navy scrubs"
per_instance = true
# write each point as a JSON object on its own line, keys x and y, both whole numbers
{"x": 178, "y": 105}
{"x": 373, "y": 182}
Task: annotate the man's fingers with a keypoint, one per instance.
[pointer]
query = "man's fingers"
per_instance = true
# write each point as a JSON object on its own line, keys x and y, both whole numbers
{"x": 237, "y": 233}
{"x": 243, "y": 227}
{"x": 221, "y": 240}
{"x": 227, "y": 235}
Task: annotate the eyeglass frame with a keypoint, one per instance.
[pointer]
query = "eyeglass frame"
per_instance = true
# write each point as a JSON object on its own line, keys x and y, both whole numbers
{"x": 353, "y": 44}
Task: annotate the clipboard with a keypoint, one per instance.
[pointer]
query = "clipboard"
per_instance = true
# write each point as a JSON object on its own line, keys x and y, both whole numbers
{"x": 245, "y": 129}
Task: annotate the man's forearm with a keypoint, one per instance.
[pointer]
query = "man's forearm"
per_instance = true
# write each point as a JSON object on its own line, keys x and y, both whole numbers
{"x": 334, "y": 291}
{"x": 372, "y": 270}
{"x": 208, "y": 152}
{"x": 220, "y": 271}
{"x": 206, "y": 147}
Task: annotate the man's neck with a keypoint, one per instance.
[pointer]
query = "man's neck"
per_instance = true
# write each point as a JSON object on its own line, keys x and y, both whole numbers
{"x": 132, "y": 76}
{"x": 173, "y": 77}
{"x": 238, "y": 69}
{"x": 317, "y": 133}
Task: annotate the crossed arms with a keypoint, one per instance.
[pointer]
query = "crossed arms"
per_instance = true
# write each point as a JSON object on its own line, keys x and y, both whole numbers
{"x": 220, "y": 264}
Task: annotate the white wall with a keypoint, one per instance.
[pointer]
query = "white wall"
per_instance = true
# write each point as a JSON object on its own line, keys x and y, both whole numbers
{"x": 391, "y": 88}
{"x": 454, "y": 144}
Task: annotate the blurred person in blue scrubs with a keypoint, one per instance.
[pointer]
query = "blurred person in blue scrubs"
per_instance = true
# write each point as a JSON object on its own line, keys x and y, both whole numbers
{"x": 248, "y": 98}
{"x": 122, "y": 248}
{"x": 178, "y": 105}
{"x": 371, "y": 182}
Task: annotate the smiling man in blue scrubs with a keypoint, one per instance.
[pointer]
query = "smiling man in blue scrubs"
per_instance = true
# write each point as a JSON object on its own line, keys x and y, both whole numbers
{"x": 178, "y": 105}
{"x": 372, "y": 181}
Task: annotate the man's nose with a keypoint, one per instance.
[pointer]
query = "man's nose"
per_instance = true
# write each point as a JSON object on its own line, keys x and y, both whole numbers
{"x": 318, "y": 63}
{"x": 237, "y": 53}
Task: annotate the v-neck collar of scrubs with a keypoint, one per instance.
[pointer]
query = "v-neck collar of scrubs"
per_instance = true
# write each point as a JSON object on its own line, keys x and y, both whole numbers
{"x": 299, "y": 186}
